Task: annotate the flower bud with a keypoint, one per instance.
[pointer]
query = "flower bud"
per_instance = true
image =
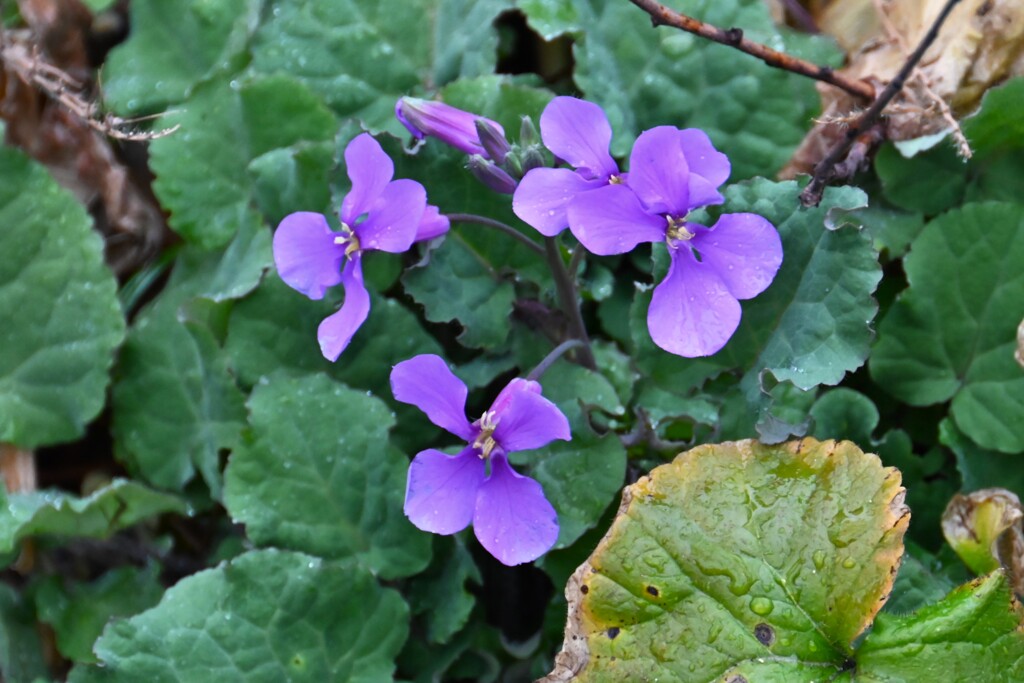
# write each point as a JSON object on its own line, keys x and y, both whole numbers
{"x": 492, "y": 140}
{"x": 452, "y": 126}
{"x": 528, "y": 133}
{"x": 490, "y": 175}
{"x": 532, "y": 158}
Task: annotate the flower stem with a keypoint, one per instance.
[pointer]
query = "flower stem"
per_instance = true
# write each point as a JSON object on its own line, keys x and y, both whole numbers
{"x": 497, "y": 225}
{"x": 550, "y": 359}
{"x": 569, "y": 300}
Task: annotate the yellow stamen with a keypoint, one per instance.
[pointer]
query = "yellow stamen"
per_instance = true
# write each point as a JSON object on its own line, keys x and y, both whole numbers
{"x": 614, "y": 180}
{"x": 677, "y": 230}
{"x": 484, "y": 440}
{"x": 348, "y": 237}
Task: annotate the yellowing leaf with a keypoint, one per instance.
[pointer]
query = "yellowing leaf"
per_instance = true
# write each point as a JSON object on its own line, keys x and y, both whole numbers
{"x": 737, "y": 554}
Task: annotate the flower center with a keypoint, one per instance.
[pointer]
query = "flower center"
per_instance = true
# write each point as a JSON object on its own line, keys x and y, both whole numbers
{"x": 485, "y": 440}
{"x": 614, "y": 180}
{"x": 348, "y": 236}
{"x": 676, "y": 231}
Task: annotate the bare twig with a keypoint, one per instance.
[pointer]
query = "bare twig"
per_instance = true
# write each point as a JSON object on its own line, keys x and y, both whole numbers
{"x": 826, "y": 170}
{"x": 25, "y": 60}
{"x": 733, "y": 37}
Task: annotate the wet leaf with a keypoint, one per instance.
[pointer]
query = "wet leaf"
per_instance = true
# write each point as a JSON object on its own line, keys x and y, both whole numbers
{"x": 316, "y": 473}
{"x": 950, "y": 334}
{"x": 736, "y": 554}
{"x": 120, "y": 504}
{"x": 972, "y": 634}
{"x": 267, "y": 615}
{"x": 61, "y": 321}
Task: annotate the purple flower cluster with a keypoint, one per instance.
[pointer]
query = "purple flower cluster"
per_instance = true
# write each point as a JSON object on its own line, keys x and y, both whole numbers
{"x": 511, "y": 517}
{"x": 695, "y": 309}
{"x": 377, "y": 214}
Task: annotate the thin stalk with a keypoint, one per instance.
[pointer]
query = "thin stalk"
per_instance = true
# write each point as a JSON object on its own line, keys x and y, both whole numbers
{"x": 550, "y": 359}
{"x": 496, "y": 225}
{"x": 569, "y": 300}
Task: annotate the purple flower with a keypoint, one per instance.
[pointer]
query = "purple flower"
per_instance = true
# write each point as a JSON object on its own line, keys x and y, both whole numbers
{"x": 577, "y": 132}
{"x": 510, "y": 515}
{"x": 695, "y": 309}
{"x": 452, "y": 126}
{"x": 378, "y": 213}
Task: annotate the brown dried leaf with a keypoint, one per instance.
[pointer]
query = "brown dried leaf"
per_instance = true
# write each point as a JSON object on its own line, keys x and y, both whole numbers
{"x": 979, "y": 46}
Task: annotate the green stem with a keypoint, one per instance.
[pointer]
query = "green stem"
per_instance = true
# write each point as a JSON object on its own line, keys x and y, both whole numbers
{"x": 550, "y": 359}
{"x": 496, "y": 225}
{"x": 569, "y": 300}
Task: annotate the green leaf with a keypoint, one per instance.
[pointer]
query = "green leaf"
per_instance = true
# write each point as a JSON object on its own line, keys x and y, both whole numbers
{"x": 293, "y": 178}
{"x": 273, "y": 331}
{"x": 21, "y": 649}
{"x": 78, "y": 612}
{"x": 316, "y": 473}
{"x": 951, "y": 334}
{"x": 930, "y": 182}
{"x": 203, "y": 169}
{"x": 916, "y": 586}
{"x": 645, "y": 77}
{"x": 361, "y": 56}
{"x": 223, "y": 275}
{"x": 61, "y": 319}
{"x": 176, "y": 406}
{"x": 893, "y": 230}
{"x": 173, "y": 45}
{"x": 702, "y": 570}
{"x": 265, "y": 616}
{"x": 580, "y": 477}
{"x": 997, "y": 128}
{"x": 120, "y": 504}
{"x": 973, "y": 634}
{"x": 981, "y": 468}
{"x": 845, "y": 414}
{"x": 551, "y": 18}
{"x": 457, "y": 283}
{"x": 440, "y": 592}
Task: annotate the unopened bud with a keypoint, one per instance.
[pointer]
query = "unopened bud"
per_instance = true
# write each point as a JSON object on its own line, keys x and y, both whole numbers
{"x": 490, "y": 175}
{"x": 532, "y": 158}
{"x": 528, "y": 133}
{"x": 492, "y": 140}
{"x": 446, "y": 123}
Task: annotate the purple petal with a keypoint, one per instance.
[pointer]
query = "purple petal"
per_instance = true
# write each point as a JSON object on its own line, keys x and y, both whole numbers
{"x": 578, "y": 132}
{"x": 432, "y": 224}
{"x": 658, "y": 171}
{"x": 370, "y": 170}
{"x": 305, "y": 254}
{"x": 336, "y": 330}
{"x": 425, "y": 381}
{"x": 513, "y": 520}
{"x": 692, "y": 312}
{"x": 528, "y": 420}
{"x": 709, "y": 168}
{"x": 394, "y": 218}
{"x": 442, "y": 490}
{"x": 611, "y": 220}
{"x": 511, "y": 389}
{"x": 745, "y": 251}
{"x": 544, "y": 194}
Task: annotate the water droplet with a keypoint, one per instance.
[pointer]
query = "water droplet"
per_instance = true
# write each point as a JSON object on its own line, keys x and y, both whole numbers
{"x": 761, "y": 606}
{"x": 819, "y": 559}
